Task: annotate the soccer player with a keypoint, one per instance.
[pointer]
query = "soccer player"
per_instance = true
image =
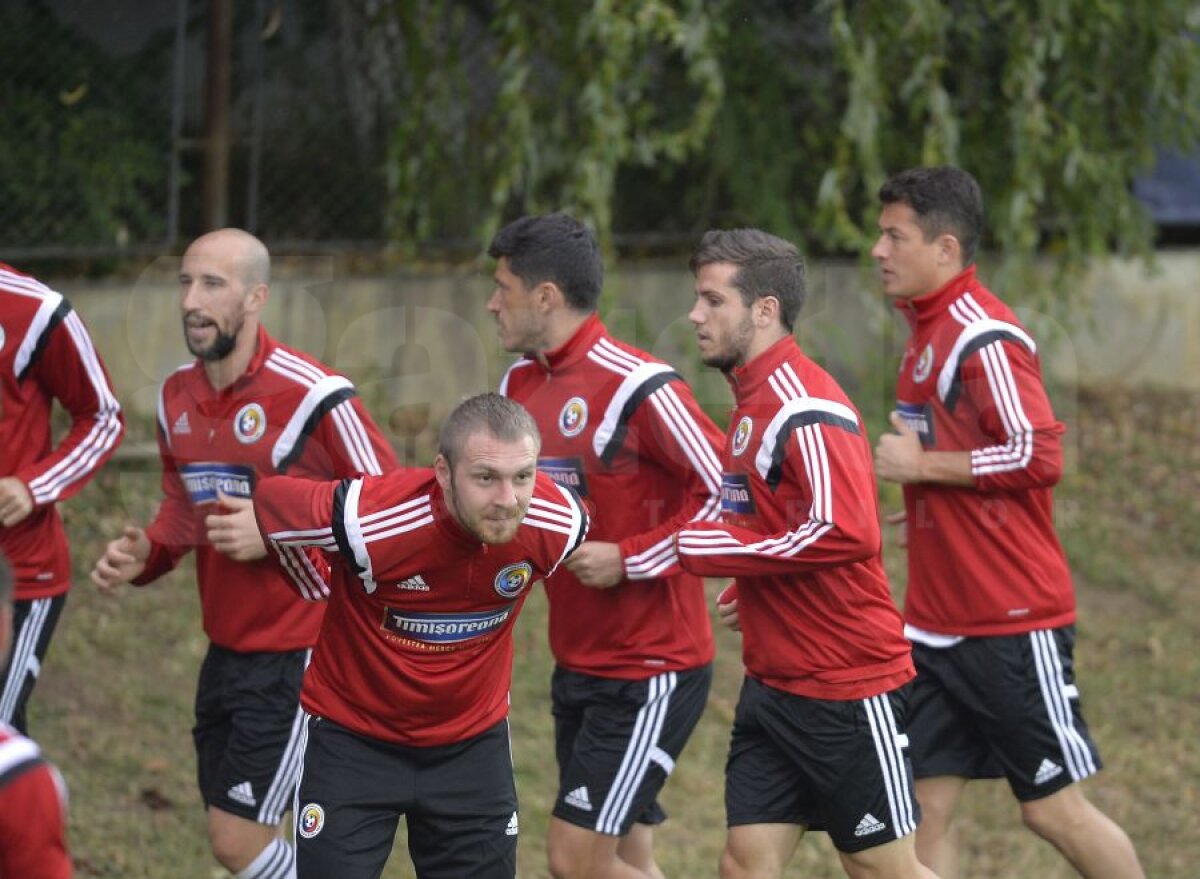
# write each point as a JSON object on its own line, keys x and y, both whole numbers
{"x": 978, "y": 451}
{"x": 45, "y": 355}
{"x": 33, "y": 799}
{"x": 632, "y": 645}
{"x": 407, "y": 695}
{"x": 818, "y": 736}
{"x": 246, "y": 407}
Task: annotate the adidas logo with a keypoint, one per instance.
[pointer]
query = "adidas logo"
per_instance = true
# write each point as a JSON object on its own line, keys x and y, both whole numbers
{"x": 579, "y": 799}
{"x": 868, "y": 825}
{"x": 242, "y": 793}
{"x": 181, "y": 425}
{"x": 511, "y": 829}
{"x": 1048, "y": 770}
{"x": 415, "y": 584}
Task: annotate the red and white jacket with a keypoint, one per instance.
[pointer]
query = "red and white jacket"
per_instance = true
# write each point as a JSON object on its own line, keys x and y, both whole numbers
{"x": 416, "y": 648}
{"x": 33, "y": 812}
{"x": 801, "y": 535}
{"x": 623, "y": 430}
{"x": 46, "y": 354}
{"x": 287, "y": 414}
{"x": 983, "y": 560}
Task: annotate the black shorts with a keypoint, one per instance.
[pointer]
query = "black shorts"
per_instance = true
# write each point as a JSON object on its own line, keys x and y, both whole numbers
{"x": 33, "y": 624}
{"x": 617, "y": 742}
{"x": 248, "y": 731}
{"x": 460, "y": 802}
{"x": 835, "y": 766}
{"x": 1002, "y": 707}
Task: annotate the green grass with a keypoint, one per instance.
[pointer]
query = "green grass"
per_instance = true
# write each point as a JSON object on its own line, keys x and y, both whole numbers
{"x": 113, "y": 707}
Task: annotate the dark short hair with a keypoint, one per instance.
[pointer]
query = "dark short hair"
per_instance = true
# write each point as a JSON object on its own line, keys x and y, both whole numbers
{"x": 498, "y": 416}
{"x": 945, "y": 199}
{"x": 555, "y": 248}
{"x": 766, "y": 266}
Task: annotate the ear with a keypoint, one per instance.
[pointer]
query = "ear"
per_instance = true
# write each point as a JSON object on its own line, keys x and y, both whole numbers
{"x": 766, "y": 311}
{"x": 949, "y": 249}
{"x": 549, "y": 296}
{"x": 441, "y": 471}
{"x": 256, "y": 299}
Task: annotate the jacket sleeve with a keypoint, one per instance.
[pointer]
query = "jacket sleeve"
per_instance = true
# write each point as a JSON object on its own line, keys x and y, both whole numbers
{"x": 680, "y": 439}
{"x": 173, "y": 531}
{"x": 331, "y": 436}
{"x": 70, "y": 370}
{"x": 1004, "y": 384}
{"x": 818, "y": 463}
{"x": 295, "y": 516}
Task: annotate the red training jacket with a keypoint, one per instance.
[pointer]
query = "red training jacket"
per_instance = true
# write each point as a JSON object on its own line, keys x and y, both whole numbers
{"x": 287, "y": 414}
{"x": 623, "y": 430}
{"x": 33, "y": 812}
{"x": 416, "y": 648}
{"x": 801, "y": 535}
{"x": 983, "y": 560}
{"x": 46, "y": 354}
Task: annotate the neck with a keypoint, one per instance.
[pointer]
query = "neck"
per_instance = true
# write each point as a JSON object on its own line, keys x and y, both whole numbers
{"x": 764, "y": 339}
{"x": 561, "y": 325}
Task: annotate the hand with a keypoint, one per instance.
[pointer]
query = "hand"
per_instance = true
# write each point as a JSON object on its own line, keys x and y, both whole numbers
{"x": 235, "y": 534}
{"x": 898, "y": 455}
{"x": 900, "y": 520}
{"x": 123, "y": 559}
{"x": 15, "y": 501}
{"x": 727, "y": 609}
{"x": 597, "y": 564}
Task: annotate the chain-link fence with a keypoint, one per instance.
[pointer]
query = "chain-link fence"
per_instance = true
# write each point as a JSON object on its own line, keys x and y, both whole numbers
{"x": 106, "y": 126}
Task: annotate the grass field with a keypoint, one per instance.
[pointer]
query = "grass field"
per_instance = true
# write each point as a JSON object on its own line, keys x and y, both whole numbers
{"x": 114, "y": 704}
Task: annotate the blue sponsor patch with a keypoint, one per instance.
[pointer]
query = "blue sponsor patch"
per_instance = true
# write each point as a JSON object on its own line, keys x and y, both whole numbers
{"x": 566, "y": 471}
{"x": 920, "y": 419}
{"x": 444, "y": 628}
{"x": 735, "y": 494}
{"x": 204, "y": 480}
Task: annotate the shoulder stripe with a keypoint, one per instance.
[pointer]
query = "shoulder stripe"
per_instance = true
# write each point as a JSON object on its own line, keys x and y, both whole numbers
{"x": 973, "y": 337}
{"x": 347, "y": 531}
{"x": 796, "y": 414}
{"x": 636, "y": 387}
{"x": 52, "y": 311}
{"x": 322, "y": 396}
{"x": 549, "y": 516}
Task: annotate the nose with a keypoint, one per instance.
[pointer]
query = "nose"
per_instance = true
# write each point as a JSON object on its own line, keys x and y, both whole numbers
{"x": 493, "y": 303}
{"x": 506, "y": 493}
{"x": 190, "y": 295}
{"x": 879, "y": 251}
{"x": 696, "y": 315}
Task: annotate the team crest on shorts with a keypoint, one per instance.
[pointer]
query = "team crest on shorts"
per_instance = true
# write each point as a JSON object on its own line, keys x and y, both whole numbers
{"x": 513, "y": 578}
{"x": 741, "y": 436}
{"x": 311, "y": 821}
{"x": 573, "y": 417}
{"x": 924, "y": 365}
{"x": 250, "y": 423}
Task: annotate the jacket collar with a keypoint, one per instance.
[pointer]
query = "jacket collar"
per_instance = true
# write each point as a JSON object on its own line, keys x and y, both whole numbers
{"x": 746, "y": 378}
{"x": 920, "y": 310}
{"x": 575, "y": 348}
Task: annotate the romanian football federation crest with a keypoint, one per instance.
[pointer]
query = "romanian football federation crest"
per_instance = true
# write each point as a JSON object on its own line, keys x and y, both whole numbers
{"x": 573, "y": 417}
{"x": 924, "y": 365}
{"x": 513, "y": 578}
{"x": 250, "y": 423}
{"x": 741, "y": 436}
{"x": 311, "y": 821}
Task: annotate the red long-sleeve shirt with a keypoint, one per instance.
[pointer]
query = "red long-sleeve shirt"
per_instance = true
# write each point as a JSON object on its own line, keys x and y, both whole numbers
{"x": 983, "y": 560}
{"x": 286, "y": 414}
{"x": 416, "y": 647}
{"x": 46, "y": 354}
{"x": 33, "y": 806}
{"x": 623, "y": 429}
{"x": 801, "y": 535}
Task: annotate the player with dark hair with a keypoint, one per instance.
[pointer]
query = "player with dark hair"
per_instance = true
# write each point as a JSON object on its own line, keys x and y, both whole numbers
{"x": 46, "y": 354}
{"x": 407, "y": 695}
{"x": 246, "y": 407}
{"x": 33, "y": 798}
{"x": 632, "y": 645}
{"x": 978, "y": 451}
{"x": 818, "y": 737}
